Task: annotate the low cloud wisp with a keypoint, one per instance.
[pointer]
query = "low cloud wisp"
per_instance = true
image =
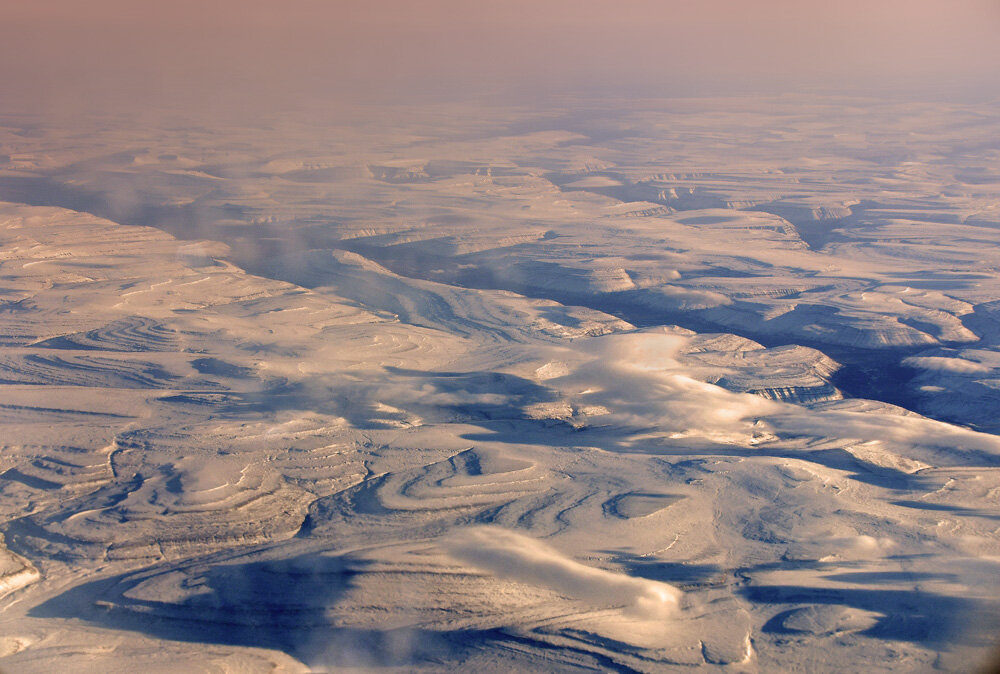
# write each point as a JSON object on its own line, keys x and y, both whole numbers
{"x": 513, "y": 556}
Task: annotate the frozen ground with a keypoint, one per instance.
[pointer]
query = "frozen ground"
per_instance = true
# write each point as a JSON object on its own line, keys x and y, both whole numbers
{"x": 615, "y": 386}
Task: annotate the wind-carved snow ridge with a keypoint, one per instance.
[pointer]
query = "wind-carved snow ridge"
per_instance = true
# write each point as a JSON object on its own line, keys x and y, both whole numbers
{"x": 513, "y": 556}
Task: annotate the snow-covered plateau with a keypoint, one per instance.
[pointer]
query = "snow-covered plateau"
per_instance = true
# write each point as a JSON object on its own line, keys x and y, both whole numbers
{"x": 617, "y": 385}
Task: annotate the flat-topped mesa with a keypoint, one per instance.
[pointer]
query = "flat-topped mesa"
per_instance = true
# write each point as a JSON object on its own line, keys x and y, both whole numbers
{"x": 793, "y": 374}
{"x": 810, "y": 209}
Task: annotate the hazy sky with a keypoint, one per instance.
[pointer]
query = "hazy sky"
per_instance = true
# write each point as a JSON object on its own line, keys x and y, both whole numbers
{"x": 78, "y": 52}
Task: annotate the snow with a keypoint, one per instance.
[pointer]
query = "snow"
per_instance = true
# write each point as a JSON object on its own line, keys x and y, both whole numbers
{"x": 712, "y": 386}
